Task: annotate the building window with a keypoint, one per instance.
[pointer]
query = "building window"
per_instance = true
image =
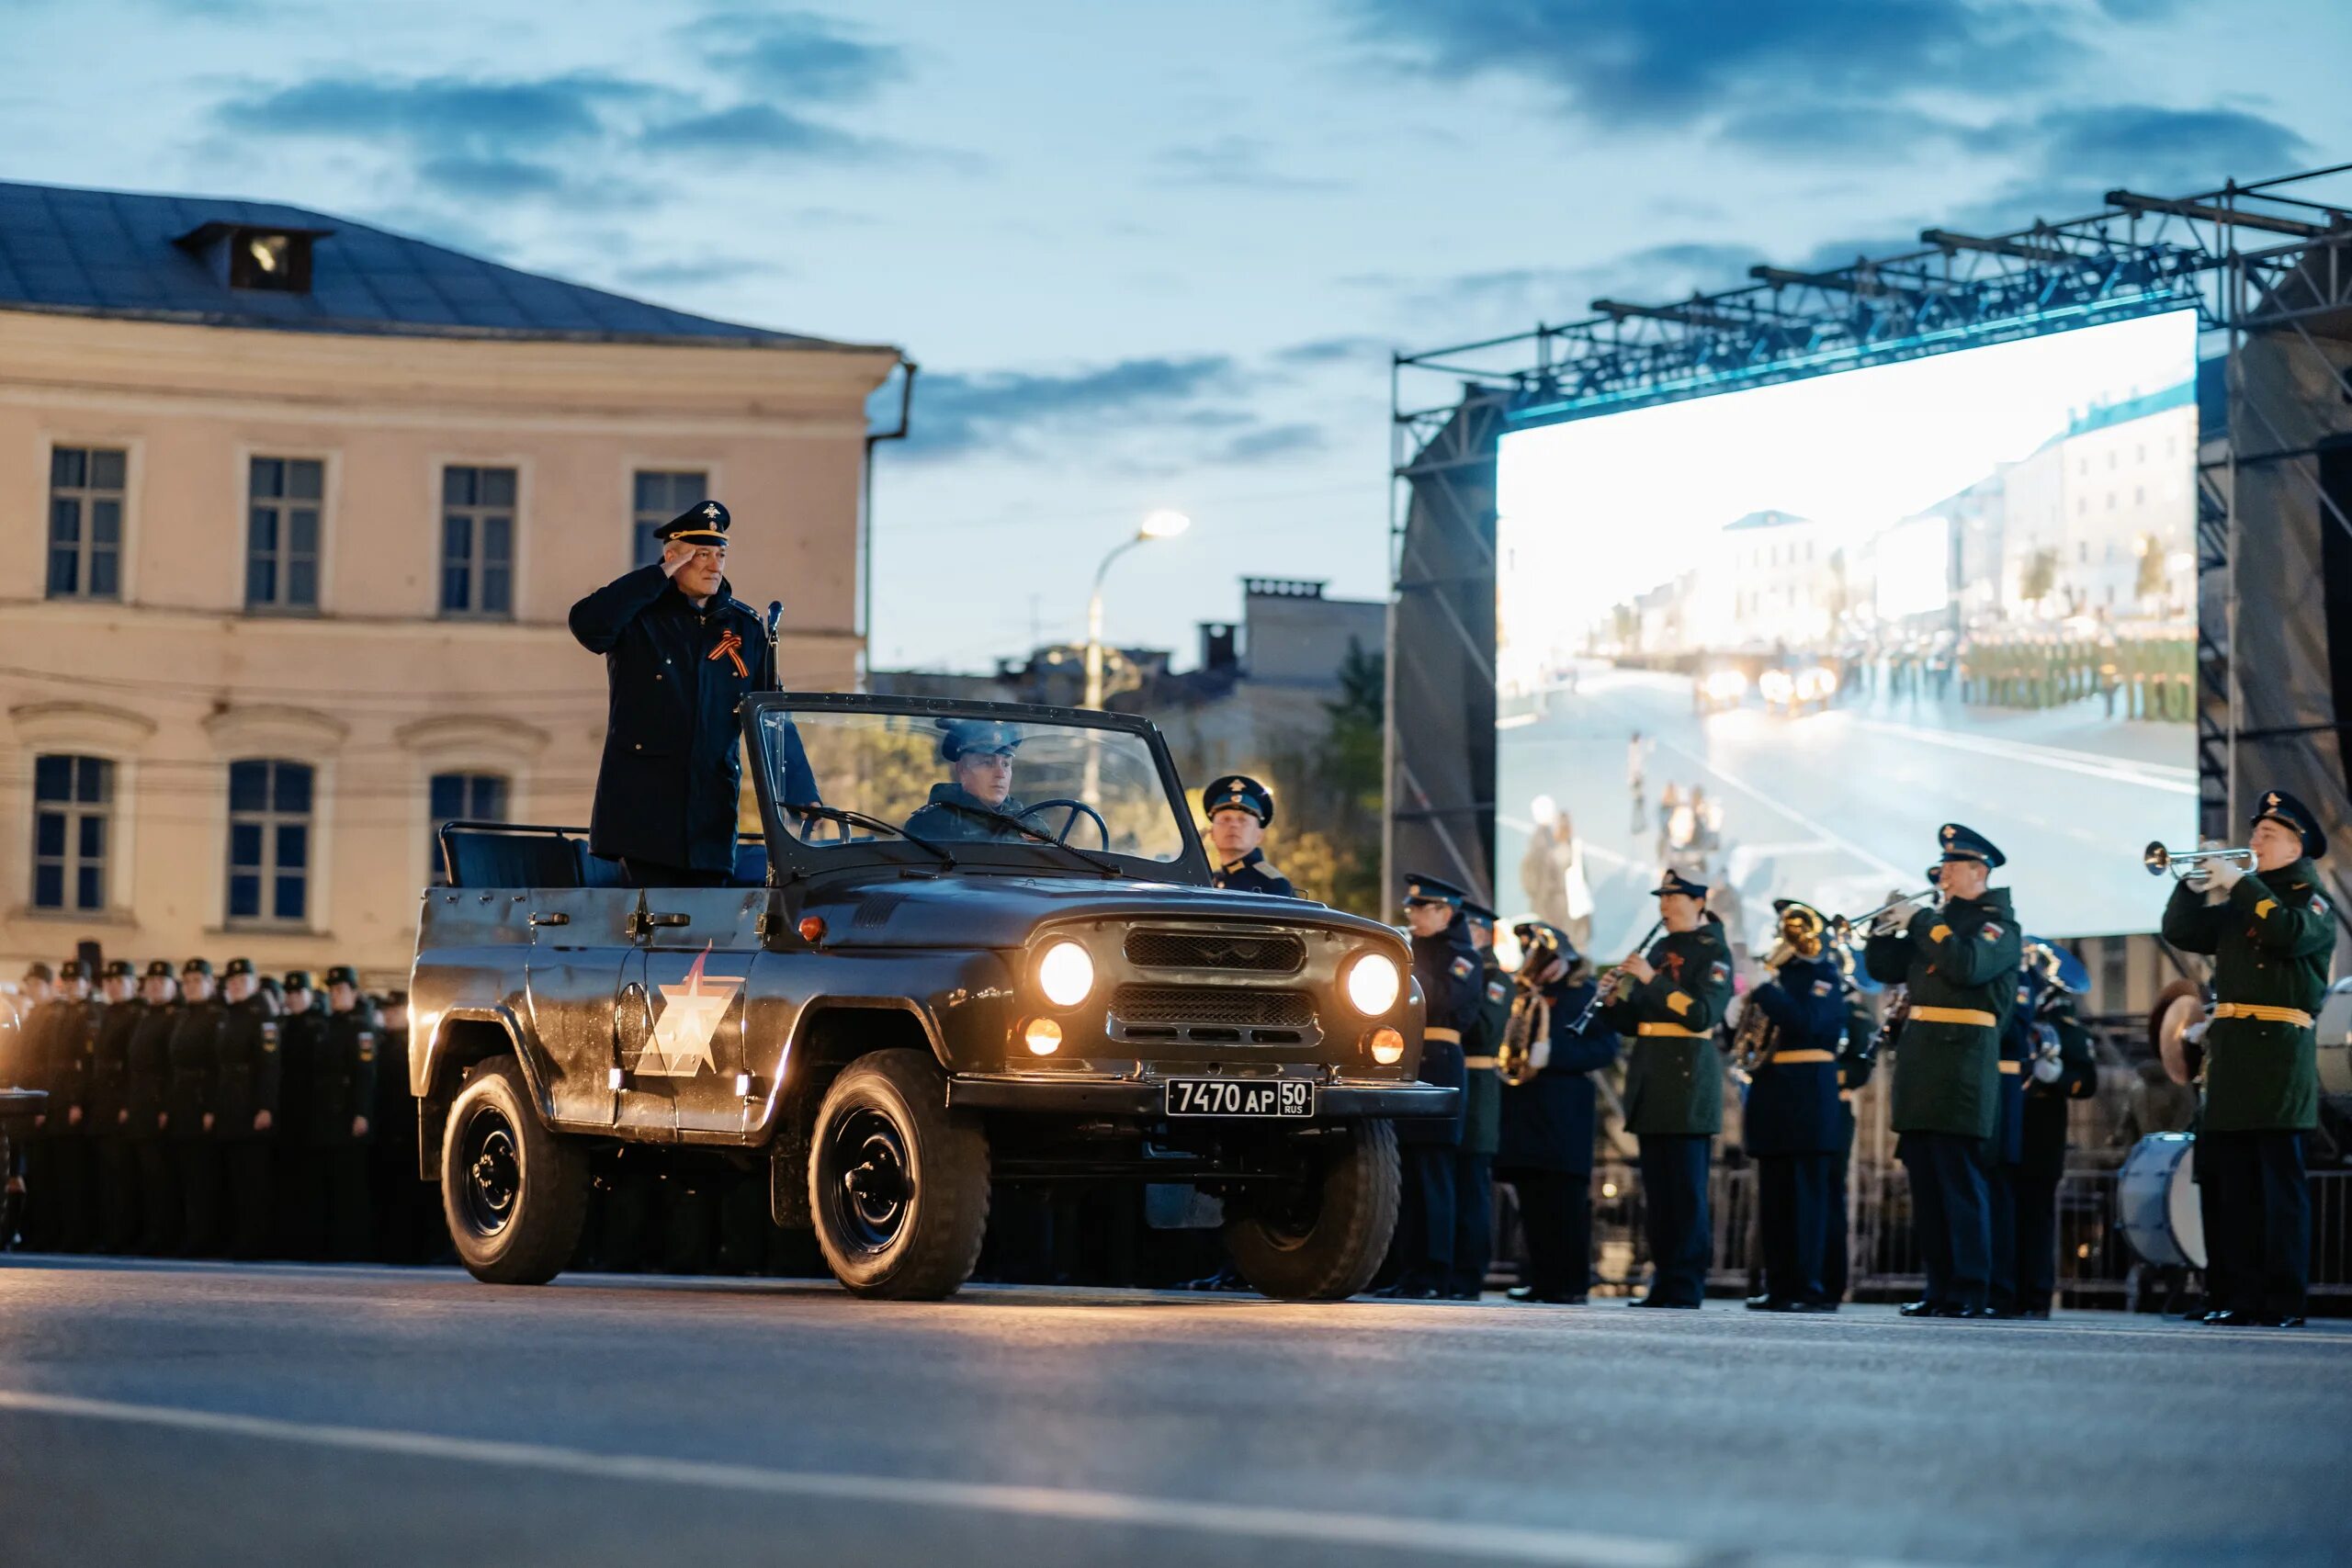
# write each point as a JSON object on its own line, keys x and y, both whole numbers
{"x": 456, "y": 797}
{"x": 478, "y": 542}
{"x": 269, "y": 841}
{"x": 72, "y": 798}
{"x": 282, "y": 496}
{"x": 659, "y": 497}
{"x": 85, "y": 486}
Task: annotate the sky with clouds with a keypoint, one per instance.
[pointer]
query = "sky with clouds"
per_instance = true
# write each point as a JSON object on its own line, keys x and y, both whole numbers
{"x": 1158, "y": 254}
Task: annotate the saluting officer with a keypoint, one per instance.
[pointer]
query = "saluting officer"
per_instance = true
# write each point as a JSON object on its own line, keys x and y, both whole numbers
{"x": 680, "y": 653}
{"x": 344, "y": 1093}
{"x": 1667, "y": 1003}
{"x": 1958, "y": 960}
{"x": 1792, "y": 1124}
{"x": 147, "y": 1109}
{"x": 1482, "y": 1109}
{"x": 1549, "y": 1123}
{"x": 1240, "y": 810}
{"x": 2061, "y": 1068}
{"x": 245, "y": 1104}
{"x": 2271, "y": 933}
{"x": 195, "y": 1055}
{"x": 114, "y": 1163}
{"x": 1447, "y": 967}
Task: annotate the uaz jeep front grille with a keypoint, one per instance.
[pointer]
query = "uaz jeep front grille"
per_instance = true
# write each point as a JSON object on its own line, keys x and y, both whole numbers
{"x": 1210, "y": 1014}
{"x": 1274, "y": 953}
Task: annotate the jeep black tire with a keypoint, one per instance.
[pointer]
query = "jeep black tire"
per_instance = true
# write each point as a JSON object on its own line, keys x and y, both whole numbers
{"x": 1325, "y": 1241}
{"x": 897, "y": 1184}
{"x": 515, "y": 1194}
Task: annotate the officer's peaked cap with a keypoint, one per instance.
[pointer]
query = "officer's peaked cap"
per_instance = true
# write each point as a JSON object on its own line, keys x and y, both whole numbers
{"x": 299, "y": 980}
{"x": 198, "y": 967}
{"x": 120, "y": 969}
{"x": 159, "y": 969}
{"x": 977, "y": 737}
{"x": 1420, "y": 889}
{"x": 2280, "y": 807}
{"x": 1238, "y": 792}
{"x": 40, "y": 971}
{"x": 1675, "y": 882}
{"x": 1960, "y": 842}
{"x": 1477, "y": 912}
{"x": 705, "y": 523}
{"x": 342, "y": 975}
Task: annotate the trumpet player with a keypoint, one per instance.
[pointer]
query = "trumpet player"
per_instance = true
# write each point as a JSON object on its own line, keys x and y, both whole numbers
{"x": 1958, "y": 960}
{"x": 1667, "y": 1001}
{"x": 1549, "y": 1121}
{"x": 2271, "y": 933}
{"x": 2061, "y": 1067}
{"x": 1791, "y": 1125}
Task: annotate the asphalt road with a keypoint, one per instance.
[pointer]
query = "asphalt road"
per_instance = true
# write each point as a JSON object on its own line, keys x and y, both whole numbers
{"x": 160, "y": 1415}
{"x": 1842, "y": 806}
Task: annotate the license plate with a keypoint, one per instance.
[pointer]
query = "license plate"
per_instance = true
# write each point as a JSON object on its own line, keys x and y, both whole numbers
{"x": 1275, "y": 1098}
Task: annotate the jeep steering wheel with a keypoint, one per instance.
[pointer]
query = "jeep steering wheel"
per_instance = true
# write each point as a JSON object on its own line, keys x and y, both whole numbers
{"x": 1076, "y": 808}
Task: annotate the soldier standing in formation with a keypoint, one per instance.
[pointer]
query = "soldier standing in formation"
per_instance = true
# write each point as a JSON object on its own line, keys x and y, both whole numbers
{"x": 193, "y": 1055}
{"x": 56, "y": 1041}
{"x": 1792, "y": 1124}
{"x": 114, "y": 1166}
{"x": 2271, "y": 933}
{"x": 343, "y": 1090}
{"x": 1482, "y": 1109}
{"x": 1674, "y": 1082}
{"x": 1447, "y": 968}
{"x": 1958, "y": 960}
{"x": 246, "y": 1086}
{"x": 1240, "y": 810}
{"x": 2061, "y": 1069}
{"x": 148, "y": 1096}
{"x": 1545, "y": 1151}
{"x": 302, "y": 1026}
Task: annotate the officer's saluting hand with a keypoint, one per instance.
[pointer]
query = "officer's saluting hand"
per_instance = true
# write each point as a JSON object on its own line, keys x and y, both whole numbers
{"x": 680, "y": 653}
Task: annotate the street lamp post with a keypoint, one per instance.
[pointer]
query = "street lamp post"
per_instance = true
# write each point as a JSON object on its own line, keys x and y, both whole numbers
{"x": 1157, "y": 525}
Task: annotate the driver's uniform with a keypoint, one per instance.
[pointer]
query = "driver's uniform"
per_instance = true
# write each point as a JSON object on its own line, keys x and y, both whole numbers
{"x": 954, "y": 812}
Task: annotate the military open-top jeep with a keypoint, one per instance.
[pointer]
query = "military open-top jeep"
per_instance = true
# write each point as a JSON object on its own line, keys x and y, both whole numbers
{"x": 932, "y": 977}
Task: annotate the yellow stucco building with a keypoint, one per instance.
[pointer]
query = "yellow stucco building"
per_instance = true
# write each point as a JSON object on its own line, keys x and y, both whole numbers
{"x": 291, "y": 513}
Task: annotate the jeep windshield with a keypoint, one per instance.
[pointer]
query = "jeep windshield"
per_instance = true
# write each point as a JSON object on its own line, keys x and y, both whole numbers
{"x": 968, "y": 784}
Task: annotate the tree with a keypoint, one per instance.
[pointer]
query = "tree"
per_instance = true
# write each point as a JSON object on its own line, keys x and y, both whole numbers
{"x": 2040, "y": 576}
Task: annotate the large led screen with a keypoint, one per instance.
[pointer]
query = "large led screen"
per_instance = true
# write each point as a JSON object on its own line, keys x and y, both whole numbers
{"x": 1774, "y": 638}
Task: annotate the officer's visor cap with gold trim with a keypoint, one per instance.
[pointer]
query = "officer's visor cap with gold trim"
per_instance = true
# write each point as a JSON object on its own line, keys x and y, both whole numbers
{"x": 1240, "y": 792}
{"x": 299, "y": 980}
{"x": 121, "y": 969}
{"x": 1960, "y": 842}
{"x": 237, "y": 966}
{"x": 2277, "y": 806}
{"x": 703, "y": 522}
{"x": 1675, "y": 882}
{"x": 1420, "y": 889}
{"x": 977, "y": 738}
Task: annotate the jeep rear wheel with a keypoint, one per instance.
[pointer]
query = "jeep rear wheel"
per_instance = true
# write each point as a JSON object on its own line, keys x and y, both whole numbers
{"x": 1322, "y": 1239}
{"x": 897, "y": 1184}
{"x": 515, "y": 1194}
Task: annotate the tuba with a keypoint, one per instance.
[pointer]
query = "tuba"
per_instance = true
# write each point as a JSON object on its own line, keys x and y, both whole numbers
{"x": 1527, "y": 1035}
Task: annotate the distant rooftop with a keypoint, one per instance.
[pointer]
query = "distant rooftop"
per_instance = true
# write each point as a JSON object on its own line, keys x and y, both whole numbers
{"x": 2180, "y": 395}
{"x": 1766, "y": 519}
{"x": 115, "y": 253}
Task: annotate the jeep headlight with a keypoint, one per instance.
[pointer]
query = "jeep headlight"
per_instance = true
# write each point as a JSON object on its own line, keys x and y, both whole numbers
{"x": 1066, "y": 972}
{"x": 1372, "y": 983}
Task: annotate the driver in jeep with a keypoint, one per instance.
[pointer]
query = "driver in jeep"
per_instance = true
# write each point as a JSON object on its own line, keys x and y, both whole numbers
{"x": 976, "y": 801}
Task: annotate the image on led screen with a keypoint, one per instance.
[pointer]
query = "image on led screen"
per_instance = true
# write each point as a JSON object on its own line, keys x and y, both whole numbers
{"x": 1773, "y": 638}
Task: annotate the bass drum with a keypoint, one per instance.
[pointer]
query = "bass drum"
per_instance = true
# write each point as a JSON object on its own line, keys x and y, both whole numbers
{"x": 2155, "y": 1201}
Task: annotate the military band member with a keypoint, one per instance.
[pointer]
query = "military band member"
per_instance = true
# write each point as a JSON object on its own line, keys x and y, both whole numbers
{"x": 1958, "y": 960}
{"x": 1792, "y": 1124}
{"x": 115, "y": 1161}
{"x": 2004, "y": 1150}
{"x": 680, "y": 654}
{"x": 1240, "y": 810}
{"x": 1545, "y": 1152}
{"x": 2061, "y": 1069}
{"x": 245, "y": 1103}
{"x": 147, "y": 1110}
{"x": 189, "y": 1124}
{"x": 1447, "y": 967}
{"x": 343, "y": 1095}
{"x": 2271, "y": 933}
{"x": 1473, "y": 1161}
{"x": 1857, "y": 1056}
{"x": 1668, "y": 1008}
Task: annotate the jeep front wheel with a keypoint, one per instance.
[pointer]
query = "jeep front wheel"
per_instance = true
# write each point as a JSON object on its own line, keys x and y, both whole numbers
{"x": 897, "y": 1184}
{"x": 515, "y": 1194}
{"x": 1321, "y": 1239}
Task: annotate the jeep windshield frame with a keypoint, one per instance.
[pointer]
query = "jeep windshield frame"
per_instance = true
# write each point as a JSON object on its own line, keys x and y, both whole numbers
{"x": 791, "y": 856}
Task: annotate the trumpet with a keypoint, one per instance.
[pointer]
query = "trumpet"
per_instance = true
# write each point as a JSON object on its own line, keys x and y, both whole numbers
{"x": 2188, "y": 863}
{"x": 1842, "y": 928}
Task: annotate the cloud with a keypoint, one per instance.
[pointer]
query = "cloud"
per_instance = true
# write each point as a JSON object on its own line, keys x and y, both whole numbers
{"x": 2069, "y": 158}
{"x": 1232, "y": 163}
{"x": 1667, "y": 63}
{"x": 499, "y": 179}
{"x": 959, "y": 413}
{"x": 444, "y": 116}
{"x": 1334, "y": 350}
{"x": 760, "y": 128}
{"x": 698, "y": 272}
{"x": 1522, "y": 296}
{"x": 798, "y": 54}
{"x": 1860, "y": 132}
{"x": 1272, "y": 441}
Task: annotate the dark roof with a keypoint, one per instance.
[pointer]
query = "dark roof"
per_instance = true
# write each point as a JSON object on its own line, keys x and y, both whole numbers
{"x": 100, "y": 253}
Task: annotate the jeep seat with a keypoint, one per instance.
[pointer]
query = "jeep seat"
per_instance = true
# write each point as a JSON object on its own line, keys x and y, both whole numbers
{"x": 488, "y": 857}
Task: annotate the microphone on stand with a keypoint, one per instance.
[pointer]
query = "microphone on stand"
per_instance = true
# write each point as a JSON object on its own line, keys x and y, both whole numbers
{"x": 775, "y": 664}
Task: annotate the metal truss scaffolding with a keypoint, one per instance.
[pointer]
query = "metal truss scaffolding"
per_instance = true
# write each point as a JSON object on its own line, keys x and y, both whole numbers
{"x": 2267, "y": 267}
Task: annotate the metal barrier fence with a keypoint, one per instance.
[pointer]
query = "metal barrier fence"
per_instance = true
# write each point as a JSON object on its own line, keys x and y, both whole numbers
{"x": 2095, "y": 1265}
